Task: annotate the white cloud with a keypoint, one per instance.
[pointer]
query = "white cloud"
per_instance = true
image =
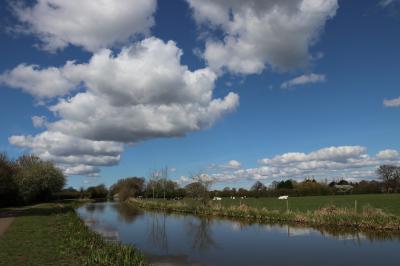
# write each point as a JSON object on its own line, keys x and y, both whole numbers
{"x": 392, "y": 103}
{"x": 234, "y": 164}
{"x": 388, "y": 154}
{"x": 350, "y": 162}
{"x": 259, "y": 33}
{"x": 303, "y": 79}
{"x": 41, "y": 83}
{"x": 39, "y": 121}
{"x": 184, "y": 180}
{"x": 89, "y": 24}
{"x": 80, "y": 169}
{"x": 335, "y": 154}
{"x": 74, "y": 155}
{"x": 172, "y": 170}
{"x": 143, "y": 92}
{"x": 230, "y": 165}
{"x": 386, "y": 3}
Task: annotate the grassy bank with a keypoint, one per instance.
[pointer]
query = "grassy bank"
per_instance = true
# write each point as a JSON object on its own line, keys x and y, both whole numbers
{"x": 389, "y": 203}
{"x": 52, "y": 234}
{"x": 366, "y": 217}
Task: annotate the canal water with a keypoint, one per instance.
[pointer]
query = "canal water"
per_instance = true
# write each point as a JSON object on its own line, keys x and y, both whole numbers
{"x": 176, "y": 239}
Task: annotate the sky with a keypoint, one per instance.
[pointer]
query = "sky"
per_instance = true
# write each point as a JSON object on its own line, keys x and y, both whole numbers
{"x": 237, "y": 90}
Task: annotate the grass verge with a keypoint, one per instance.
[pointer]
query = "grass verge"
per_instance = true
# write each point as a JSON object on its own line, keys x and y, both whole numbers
{"x": 368, "y": 219}
{"x": 52, "y": 234}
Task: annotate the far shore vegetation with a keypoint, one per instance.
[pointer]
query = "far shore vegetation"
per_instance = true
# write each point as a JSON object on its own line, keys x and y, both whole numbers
{"x": 313, "y": 211}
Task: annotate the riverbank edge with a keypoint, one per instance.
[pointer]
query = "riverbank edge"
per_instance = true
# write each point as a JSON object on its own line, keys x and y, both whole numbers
{"x": 369, "y": 219}
{"x": 78, "y": 240}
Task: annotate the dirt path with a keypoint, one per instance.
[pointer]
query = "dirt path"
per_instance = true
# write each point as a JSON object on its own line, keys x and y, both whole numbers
{"x": 5, "y": 223}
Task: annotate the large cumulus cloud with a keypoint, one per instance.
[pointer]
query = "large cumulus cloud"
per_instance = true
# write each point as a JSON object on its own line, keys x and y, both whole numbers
{"x": 88, "y": 24}
{"x": 142, "y": 92}
{"x": 261, "y": 33}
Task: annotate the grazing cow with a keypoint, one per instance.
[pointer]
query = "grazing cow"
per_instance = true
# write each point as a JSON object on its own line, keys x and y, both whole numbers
{"x": 217, "y": 198}
{"x": 283, "y": 197}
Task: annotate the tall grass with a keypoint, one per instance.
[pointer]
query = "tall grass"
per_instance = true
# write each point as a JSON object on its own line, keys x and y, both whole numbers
{"x": 92, "y": 247}
{"x": 369, "y": 218}
{"x": 61, "y": 238}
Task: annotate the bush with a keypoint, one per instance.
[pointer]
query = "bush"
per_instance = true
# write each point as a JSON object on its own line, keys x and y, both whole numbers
{"x": 68, "y": 193}
{"x": 97, "y": 192}
{"x": 8, "y": 187}
{"x": 37, "y": 180}
{"x": 128, "y": 187}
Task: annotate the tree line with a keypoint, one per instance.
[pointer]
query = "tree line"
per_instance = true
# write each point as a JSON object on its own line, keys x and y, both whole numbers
{"x": 30, "y": 179}
{"x": 158, "y": 186}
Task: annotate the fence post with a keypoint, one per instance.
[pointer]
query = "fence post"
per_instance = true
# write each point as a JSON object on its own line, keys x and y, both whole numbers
{"x": 355, "y": 206}
{"x": 287, "y": 205}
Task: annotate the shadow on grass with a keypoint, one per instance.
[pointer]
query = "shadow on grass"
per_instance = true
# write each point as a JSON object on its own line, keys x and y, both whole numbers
{"x": 41, "y": 209}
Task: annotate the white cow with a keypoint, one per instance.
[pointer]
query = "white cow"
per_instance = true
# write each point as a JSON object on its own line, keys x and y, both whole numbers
{"x": 284, "y": 197}
{"x": 217, "y": 198}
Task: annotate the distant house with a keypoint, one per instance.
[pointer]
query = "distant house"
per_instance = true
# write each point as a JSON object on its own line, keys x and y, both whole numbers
{"x": 116, "y": 197}
{"x": 344, "y": 188}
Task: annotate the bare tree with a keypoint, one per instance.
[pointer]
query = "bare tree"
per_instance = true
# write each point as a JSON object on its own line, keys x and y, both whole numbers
{"x": 258, "y": 186}
{"x": 153, "y": 181}
{"x": 164, "y": 178}
{"x": 390, "y": 176}
{"x": 200, "y": 187}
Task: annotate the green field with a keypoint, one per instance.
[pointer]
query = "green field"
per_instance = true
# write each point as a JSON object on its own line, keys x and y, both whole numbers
{"x": 390, "y": 203}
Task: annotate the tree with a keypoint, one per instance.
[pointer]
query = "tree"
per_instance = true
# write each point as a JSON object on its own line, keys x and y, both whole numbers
{"x": 164, "y": 179}
{"x": 128, "y": 187}
{"x": 288, "y": 184}
{"x": 159, "y": 184}
{"x": 68, "y": 193}
{"x": 367, "y": 187}
{"x": 200, "y": 187}
{"x": 97, "y": 192}
{"x": 226, "y": 192}
{"x": 8, "y": 187}
{"x": 36, "y": 179}
{"x": 343, "y": 182}
{"x": 242, "y": 192}
{"x": 154, "y": 183}
{"x": 258, "y": 186}
{"x": 170, "y": 188}
{"x": 390, "y": 175}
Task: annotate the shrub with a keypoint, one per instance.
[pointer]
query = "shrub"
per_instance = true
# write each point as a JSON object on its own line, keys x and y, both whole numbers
{"x": 37, "y": 180}
{"x": 128, "y": 187}
{"x": 97, "y": 192}
{"x": 8, "y": 187}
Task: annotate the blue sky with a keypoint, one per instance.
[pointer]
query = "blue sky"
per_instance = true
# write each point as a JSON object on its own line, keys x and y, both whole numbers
{"x": 339, "y": 61}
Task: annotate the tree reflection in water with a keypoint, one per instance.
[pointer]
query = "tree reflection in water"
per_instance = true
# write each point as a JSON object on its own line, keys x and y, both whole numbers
{"x": 90, "y": 208}
{"x": 157, "y": 230}
{"x": 126, "y": 212}
{"x": 200, "y": 234}
{"x": 198, "y": 231}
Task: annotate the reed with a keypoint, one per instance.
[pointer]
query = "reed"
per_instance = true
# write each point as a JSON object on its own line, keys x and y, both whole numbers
{"x": 93, "y": 248}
